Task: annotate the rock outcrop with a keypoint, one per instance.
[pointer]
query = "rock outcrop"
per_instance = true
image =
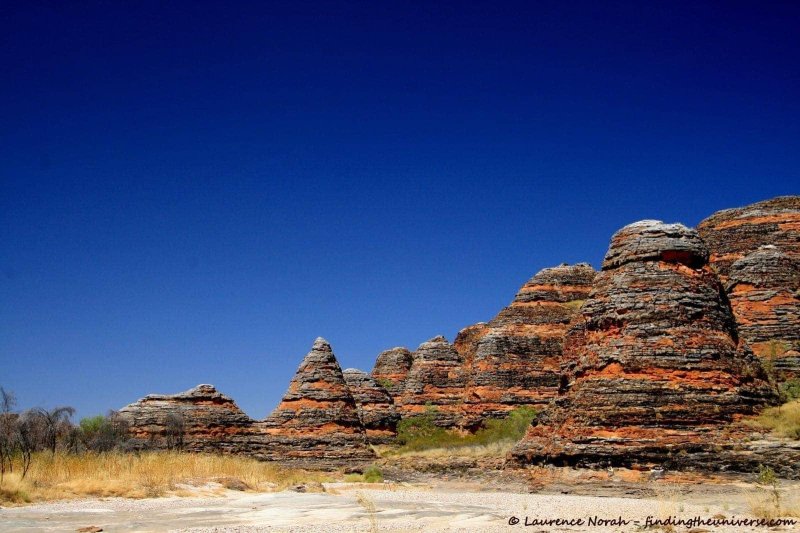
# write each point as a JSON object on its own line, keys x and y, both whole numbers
{"x": 515, "y": 359}
{"x": 317, "y": 420}
{"x": 201, "y": 419}
{"x": 732, "y": 234}
{"x": 391, "y": 369}
{"x": 648, "y": 362}
{"x": 435, "y": 384}
{"x": 762, "y": 283}
{"x": 654, "y": 370}
{"x": 764, "y": 291}
{"x": 375, "y": 407}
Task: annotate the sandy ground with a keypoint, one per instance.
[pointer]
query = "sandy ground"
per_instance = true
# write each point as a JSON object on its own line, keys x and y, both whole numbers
{"x": 389, "y": 507}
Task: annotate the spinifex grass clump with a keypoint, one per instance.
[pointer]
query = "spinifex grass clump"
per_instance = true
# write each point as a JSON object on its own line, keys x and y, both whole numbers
{"x": 419, "y": 432}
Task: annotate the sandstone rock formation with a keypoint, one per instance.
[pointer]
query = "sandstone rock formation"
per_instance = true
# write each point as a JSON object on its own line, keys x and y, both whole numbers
{"x": 762, "y": 283}
{"x": 375, "y": 407}
{"x": 515, "y": 359}
{"x": 200, "y": 419}
{"x": 434, "y": 383}
{"x": 764, "y": 291}
{"x": 654, "y": 369}
{"x": 733, "y": 233}
{"x": 317, "y": 420}
{"x": 391, "y": 369}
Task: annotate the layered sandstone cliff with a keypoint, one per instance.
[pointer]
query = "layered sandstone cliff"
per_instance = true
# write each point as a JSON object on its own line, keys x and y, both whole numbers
{"x": 647, "y": 362}
{"x": 375, "y": 407}
{"x": 764, "y": 291}
{"x": 514, "y": 360}
{"x": 732, "y": 234}
{"x": 655, "y": 371}
{"x": 435, "y": 384}
{"x": 317, "y": 420}
{"x": 761, "y": 283}
{"x": 201, "y": 419}
{"x": 391, "y": 369}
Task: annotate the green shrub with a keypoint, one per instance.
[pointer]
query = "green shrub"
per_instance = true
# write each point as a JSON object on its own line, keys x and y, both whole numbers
{"x": 420, "y": 433}
{"x": 91, "y": 425}
{"x": 373, "y": 474}
{"x": 102, "y": 433}
{"x": 385, "y": 383}
{"x": 791, "y": 389}
{"x": 766, "y": 476}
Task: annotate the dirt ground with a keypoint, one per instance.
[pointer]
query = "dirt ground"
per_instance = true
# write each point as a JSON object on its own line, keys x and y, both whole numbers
{"x": 603, "y": 501}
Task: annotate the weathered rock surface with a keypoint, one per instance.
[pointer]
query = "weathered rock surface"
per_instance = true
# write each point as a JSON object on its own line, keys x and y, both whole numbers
{"x": 391, "y": 369}
{"x": 317, "y": 420}
{"x": 654, "y": 369}
{"x": 200, "y": 419}
{"x": 732, "y": 234}
{"x": 515, "y": 359}
{"x": 764, "y": 291}
{"x": 436, "y": 379}
{"x": 376, "y": 408}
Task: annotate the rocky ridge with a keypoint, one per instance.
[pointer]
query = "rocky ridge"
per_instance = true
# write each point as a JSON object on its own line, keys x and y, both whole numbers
{"x": 646, "y": 362}
{"x": 764, "y": 290}
{"x": 514, "y": 360}
{"x": 655, "y": 369}
{"x": 199, "y": 419}
{"x": 434, "y": 384}
{"x": 375, "y": 407}
{"x": 731, "y": 234}
{"x": 391, "y": 369}
{"x": 756, "y": 251}
{"x": 317, "y": 420}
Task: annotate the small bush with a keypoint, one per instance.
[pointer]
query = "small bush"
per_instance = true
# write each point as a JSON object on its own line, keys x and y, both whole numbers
{"x": 766, "y": 476}
{"x": 776, "y": 348}
{"x": 574, "y": 304}
{"x": 103, "y": 433}
{"x": 420, "y": 433}
{"x": 791, "y": 389}
{"x": 373, "y": 474}
{"x": 385, "y": 383}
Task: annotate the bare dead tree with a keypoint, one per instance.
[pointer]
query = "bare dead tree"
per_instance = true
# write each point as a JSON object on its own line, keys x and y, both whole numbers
{"x": 29, "y": 434}
{"x": 55, "y": 422}
{"x": 7, "y": 432}
{"x": 175, "y": 430}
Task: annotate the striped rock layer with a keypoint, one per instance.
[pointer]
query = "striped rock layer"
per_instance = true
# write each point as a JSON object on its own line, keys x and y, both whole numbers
{"x": 654, "y": 368}
{"x": 391, "y": 369}
{"x": 375, "y": 407}
{"x": 435, "y": 384}
{"x": 732, "y": 234}
{"x": 761, "y": 282}
{"x": 514, "y": 360}
{"x": 764, "y": 290}
{"x": 317, "y": 419}
{"x": 200, "y": 419}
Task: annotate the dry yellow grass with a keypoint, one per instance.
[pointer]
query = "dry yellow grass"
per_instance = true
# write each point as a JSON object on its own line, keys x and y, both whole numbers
{"x": 783, "y": 420}
{"x": 763, "y": 505}
{"x": 147, "y": 474}
{"x": 495, "y": 449}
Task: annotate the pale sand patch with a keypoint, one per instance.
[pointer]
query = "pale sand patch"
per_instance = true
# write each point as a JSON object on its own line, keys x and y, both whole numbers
{"x": 360, "y": 508}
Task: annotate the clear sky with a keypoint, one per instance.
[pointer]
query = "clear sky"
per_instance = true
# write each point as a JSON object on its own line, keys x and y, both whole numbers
{"x": 191, "y": 192}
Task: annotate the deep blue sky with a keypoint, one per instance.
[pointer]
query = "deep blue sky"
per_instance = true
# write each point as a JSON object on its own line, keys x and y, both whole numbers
{"x": 191, "y": 192}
